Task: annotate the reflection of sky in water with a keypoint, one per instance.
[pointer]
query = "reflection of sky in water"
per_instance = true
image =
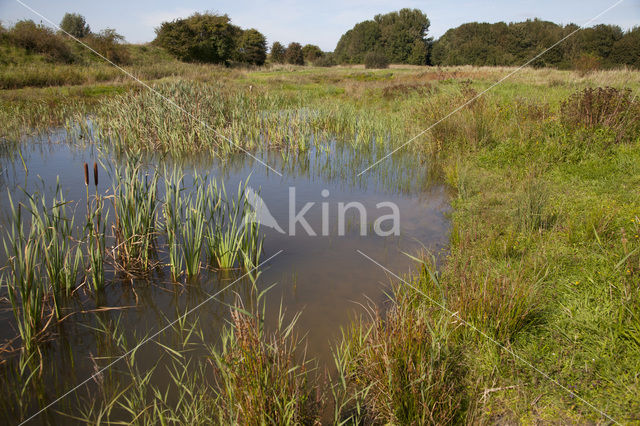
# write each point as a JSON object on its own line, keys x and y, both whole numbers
{"x": 324, "y": 277}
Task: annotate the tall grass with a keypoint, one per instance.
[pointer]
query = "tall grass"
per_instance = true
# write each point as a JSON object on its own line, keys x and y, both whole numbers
{"x": 404, "y": 366}
{"x": 24, "y": 280}
{"x": 60, "y": 250}
{"x": 135, "y": 209}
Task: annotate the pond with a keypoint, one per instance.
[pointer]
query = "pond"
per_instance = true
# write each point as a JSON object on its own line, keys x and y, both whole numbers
{"x": 321, "y": 276}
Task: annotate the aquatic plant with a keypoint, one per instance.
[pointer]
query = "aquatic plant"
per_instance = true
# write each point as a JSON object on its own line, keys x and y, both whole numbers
{"x": 135, "y": 205}
{"x": 25, "y": 286}
{"x": 173, "y": 219}
{"x": 62, "y": 255}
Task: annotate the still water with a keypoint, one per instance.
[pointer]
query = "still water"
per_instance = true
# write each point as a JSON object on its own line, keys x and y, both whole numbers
{"x": 323, "y": 277}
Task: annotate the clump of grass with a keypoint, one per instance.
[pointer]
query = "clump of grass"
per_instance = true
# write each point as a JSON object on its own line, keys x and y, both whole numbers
{"x": 135, "y": 204}
{"x": 62, "y": 256}
{"x": 233, "y": 240}
{"x": 25, "y": 287}
{"x": 405, "y": 366}
{"x": 263, "y": 377}
{"x": 193, "y": 228}
{"x": 173, "y": 218}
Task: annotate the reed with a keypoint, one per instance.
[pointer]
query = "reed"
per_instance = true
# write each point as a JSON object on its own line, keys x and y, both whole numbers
{"x": 62, "y": 255}
{"x": 135, "y": 205}
{"x": 173, "y": 218}
{"x": 193, "y": 228}
{"x": 25, "y": 287}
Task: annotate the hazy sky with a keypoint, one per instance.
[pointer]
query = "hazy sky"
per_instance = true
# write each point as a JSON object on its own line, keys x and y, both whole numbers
{"x": 316, "y": 22}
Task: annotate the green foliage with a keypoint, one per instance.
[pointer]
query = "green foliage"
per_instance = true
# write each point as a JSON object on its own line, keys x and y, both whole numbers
{"x": 40, "y": 39}
{"x": 311, "y": 52}
{"x": 75, "y": 24}
{"x": 211, "y": 38}
{"x": 277, "y": 53}
{"x": 199, "y": 38}
{"x": 514, "y": 43}
{"x": 376, "y": 60}
{"x": 401, "y": 36}
{"x": 293, "y": 54}
{"x": 109, "y": 44}
{"x": 626, "y": 51}
{"x": 326, "y": 60}
{"x": 252, "y": 47}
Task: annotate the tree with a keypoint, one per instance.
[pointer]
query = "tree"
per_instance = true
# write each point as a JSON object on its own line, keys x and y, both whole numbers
{"x": 199, "y": 38}
{"x": 109, "y": 44}
{"x": 311, "y": 52}
{"x": 626, "y": 51}
{"x": 252, "y": 47}
{"x": 75, "y": 24}
{"x": 516, "y": 43}
{"x": 401, "y": 36}
{"x": 277, "y": 52}
{"x": 293, "y": 54}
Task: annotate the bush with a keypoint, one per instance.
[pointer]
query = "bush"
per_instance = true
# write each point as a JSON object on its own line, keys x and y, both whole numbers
{"x": 375, "y": 60}
{"x": 40, "y": 39}
{"x": 108, "y": 44}
{"x": 604, "y": 107}
{"x": 586, "y": 64}
{"x": 326, "y": 60}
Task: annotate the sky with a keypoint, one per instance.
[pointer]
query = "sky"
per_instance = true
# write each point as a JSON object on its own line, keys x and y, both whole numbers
{"x": 315, "y": 22}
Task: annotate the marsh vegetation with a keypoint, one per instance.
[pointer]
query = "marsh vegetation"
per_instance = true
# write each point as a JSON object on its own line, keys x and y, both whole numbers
{"x": 542, "y": 250}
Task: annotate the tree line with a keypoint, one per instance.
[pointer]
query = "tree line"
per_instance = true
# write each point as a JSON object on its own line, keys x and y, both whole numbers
{"x": 402, "y": 37}
{"x": 397, "y": 37}
{"x": 600, "y": 46}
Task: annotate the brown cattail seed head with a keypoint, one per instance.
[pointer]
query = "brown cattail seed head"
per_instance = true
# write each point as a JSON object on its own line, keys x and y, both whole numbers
{"x": 95, "y": 174}
{"x": 86, "y": 174}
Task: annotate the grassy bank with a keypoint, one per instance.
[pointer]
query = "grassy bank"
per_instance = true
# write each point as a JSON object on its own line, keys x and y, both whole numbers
{"x": 544, "y": 259}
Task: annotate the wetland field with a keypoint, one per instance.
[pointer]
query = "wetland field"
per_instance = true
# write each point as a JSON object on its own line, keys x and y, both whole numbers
{"x": 211, "y": 247}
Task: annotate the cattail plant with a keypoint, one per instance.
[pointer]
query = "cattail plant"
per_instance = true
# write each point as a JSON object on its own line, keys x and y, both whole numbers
{"x": 24, "y": 286}
{"x": 61, "y": 256}
{"x": 135, "y": 207}
{"x": 193, "y": 229}
{"x": 173, "y": 217}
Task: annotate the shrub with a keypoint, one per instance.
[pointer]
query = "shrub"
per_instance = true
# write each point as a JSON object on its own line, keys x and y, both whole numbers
{"x": 108, "y": 43}
{"x": 586, "y": 63}
{"x": 603, "y": 108}
{"x": 40, "y": 39}
{"x": 326, "y": 60}
{"x": 375, "y": 60}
